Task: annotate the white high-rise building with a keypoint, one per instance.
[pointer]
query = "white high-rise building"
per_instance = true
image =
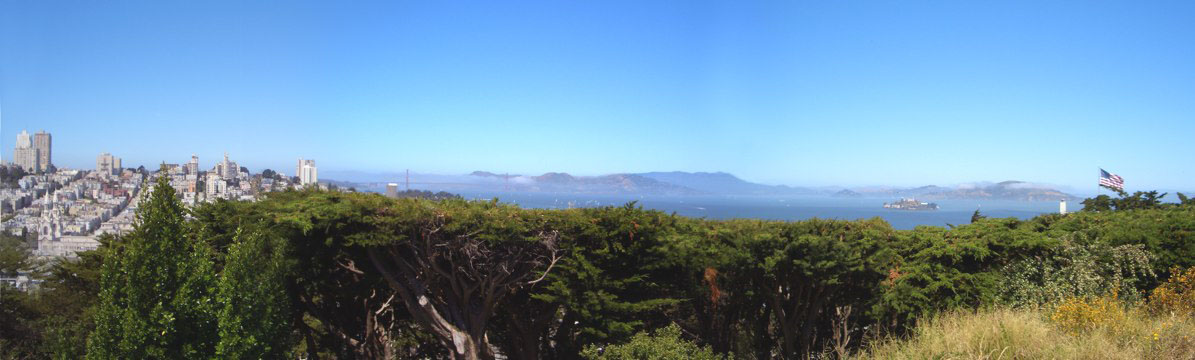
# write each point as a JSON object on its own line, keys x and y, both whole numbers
{"x": 24, "y": 141}
{"x": 25, "y": 155}
{"x": 306, "y": 172}
{"x": 193, "y": 166}
{"x": 227, "y": 169}
{"x": 106, "y": 164}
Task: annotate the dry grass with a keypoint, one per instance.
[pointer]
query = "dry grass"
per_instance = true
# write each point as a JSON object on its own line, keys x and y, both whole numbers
{"x": 1031, "y": 334}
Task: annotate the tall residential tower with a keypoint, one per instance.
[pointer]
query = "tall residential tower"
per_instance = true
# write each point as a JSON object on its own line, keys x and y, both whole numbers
{"x": 193, "y": 166}
{"x": 306, "y": 172}
{"x": 106, "y": 164}
{"x": 41, "y": 145}
{"x": 24, "y": 155}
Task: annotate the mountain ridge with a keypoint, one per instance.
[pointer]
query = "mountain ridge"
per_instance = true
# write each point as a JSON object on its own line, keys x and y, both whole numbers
{"x": 680, "y": 183}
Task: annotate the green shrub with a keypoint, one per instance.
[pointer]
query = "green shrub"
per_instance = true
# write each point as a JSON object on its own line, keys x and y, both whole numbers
{"x": 664, "y": 344}
{"x": 1076, "y": 268}
{"x": 941, "y": 269}
{"x": 1176, "y": 295}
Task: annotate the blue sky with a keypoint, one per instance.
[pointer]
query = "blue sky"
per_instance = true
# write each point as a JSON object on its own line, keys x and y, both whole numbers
{"x": 801, "y": 93}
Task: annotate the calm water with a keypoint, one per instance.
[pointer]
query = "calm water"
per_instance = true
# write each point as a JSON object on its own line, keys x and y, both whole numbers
{"x": 789, "y": 208}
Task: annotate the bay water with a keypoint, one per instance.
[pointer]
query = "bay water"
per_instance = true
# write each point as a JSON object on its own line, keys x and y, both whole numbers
{"x": 956, "y": 212}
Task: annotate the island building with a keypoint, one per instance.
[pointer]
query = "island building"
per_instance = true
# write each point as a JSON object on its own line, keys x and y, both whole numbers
{"x": 392, "y": 190}
{"x": 911, "y": 204}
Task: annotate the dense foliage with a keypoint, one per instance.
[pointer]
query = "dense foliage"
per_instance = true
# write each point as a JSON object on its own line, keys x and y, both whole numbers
{"x": 664, "y": 344}
{"x": 424, "y": 194}
{"x": 255, "y": 321}
{"x": 10, "y": 175}
{"x": 1176, "y": 295}
{"x": 156, "y": 289}
{"x": 327, "y": 274}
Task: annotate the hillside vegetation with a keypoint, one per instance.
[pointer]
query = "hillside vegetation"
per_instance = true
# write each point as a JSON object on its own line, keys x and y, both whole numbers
{"x": 1030, "y": 334}
{"x": 348, "y": 275}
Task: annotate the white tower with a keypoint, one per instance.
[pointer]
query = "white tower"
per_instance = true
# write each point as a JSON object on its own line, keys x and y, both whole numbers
{"x": 25, "y": 154}
{"x": 1062, "y": 206}
{"x": 307, "y": 172}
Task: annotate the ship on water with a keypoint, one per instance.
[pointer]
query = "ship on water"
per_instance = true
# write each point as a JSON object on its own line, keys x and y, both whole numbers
{"x": 911, "y": 204}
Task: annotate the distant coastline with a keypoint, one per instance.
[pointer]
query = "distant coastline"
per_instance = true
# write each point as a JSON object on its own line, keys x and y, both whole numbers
{"x": 699, "y": 184}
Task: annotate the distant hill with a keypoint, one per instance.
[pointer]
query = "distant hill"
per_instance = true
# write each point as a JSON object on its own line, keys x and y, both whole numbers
{"x": 884, "y": 191}
{"x": 490, "y": 174}
{"x": 1006, "y": 190}
{"x": 605, "y": 184}
{"x": 424, "y": 194}
{"x": 677, "y": 183}
{"x": 847, "y": 193}
{"x": 721, "y": 183}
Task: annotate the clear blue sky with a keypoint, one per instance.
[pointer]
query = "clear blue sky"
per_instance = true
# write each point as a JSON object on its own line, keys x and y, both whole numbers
{"x": 832, "y": 93}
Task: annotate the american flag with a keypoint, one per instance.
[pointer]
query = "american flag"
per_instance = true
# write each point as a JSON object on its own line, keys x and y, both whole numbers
{"x": 1111, "y": 180}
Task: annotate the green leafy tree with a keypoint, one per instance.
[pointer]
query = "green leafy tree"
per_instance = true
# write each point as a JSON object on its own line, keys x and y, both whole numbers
{"x": 1137, "y": 201}
{"x": 68, "y": 299}
{"x": 1183, "y": 200}
{"x": 1167, "y": 233}
{"x": 48, "y": 320}
{"x": 812, "y": 267}
{"x": 722, "y": 279}
{"x": 156, "y": 289}
{"x": 976, "y": 216}
{"x": 14, "y": 254}
{"x": 343, "y": 308}
{"x": 1098, "y": 203}
{"x": 18, "y": 310}
{"x": 612, "y": 281}
{"x": 664, "y": 344}
{"x": 454, "y": 263}
{"x": 10, "y": 175}
{"x": 255, "y": 316}
{"x": 941, "y": 269}
{"x": 18, "y": 332}
{"x": 1078, "y": 267}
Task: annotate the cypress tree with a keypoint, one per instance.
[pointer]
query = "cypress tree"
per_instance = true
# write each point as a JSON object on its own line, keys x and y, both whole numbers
{"x": 255, "y": 319}
{"x": 976, "y": 216}
{"x": 156, "y": 288}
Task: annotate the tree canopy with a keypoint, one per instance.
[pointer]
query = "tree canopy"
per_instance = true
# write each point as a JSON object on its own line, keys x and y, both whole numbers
{"x": 325, "y": 274}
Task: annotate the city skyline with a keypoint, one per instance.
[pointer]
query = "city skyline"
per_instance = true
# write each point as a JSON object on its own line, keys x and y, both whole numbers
{"x": 808, "y": 95}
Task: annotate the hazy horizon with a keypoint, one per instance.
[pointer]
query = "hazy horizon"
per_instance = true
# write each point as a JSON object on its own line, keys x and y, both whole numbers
{"x": 841, "y": 94}
{"x": 418, "y": 180}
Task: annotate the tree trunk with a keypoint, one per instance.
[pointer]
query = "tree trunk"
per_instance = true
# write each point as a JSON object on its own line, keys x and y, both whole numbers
{"x": 763, "y": 343}
{"x": 788, "y": 337}
{"x": 469, "y": 347}
{"x": 464, "y": 345}
{"x": 526, "y": 328}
